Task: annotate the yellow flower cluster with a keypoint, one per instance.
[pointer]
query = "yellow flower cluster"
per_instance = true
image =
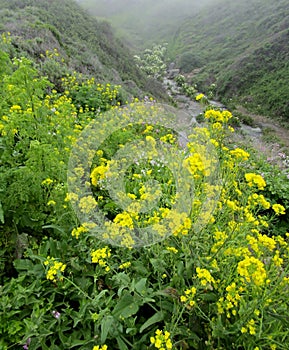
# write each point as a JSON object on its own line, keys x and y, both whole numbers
{"x": 240, "y": 154}
{"x": 199, "y": 97}
{"x": 250, "y": 327}
{"x": 195, "y": 165}
{"x": 124, "y": 219}
{"x": 98, "y": 173}
{"x": 172, "y": 249}
{"x": 218, "y": 116}
{"x": 278, "y": 209}
{"x": 230, "y": 302}
{"x": 169, "y": 138}
{"x": 189, "y": 297}
{"x": 55, "y": 269}
{"x": 255, "y": 180}
{"x": 87, "y": 204}
{"x": 162, "y": 340}
{"x": 253, "y": 270}
{"x": 125, "y": 265}
{"x": 258, "y": 199}
{"x": 76, "y": 232}
{"x": 98, "y": 256}
{"x": 205, "y": 276}
{"x": 98, "y": 347}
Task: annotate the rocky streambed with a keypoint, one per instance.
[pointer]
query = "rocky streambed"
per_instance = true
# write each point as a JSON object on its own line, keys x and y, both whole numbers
{"x": 193, "y": 108}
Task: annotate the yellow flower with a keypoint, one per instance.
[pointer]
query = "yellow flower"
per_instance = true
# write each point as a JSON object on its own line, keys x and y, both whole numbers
{"x": 278, "y": 209}
{"x": 76, "y": 232}
{"x": 162, "y": 340}
{"x": 87, "y": 204}
{"x": 240, "y": 154}
{"x": 47, "y": 182}
{"x": 55, "y": 269}
{"x": 97, "y": 347}
{"x": 125, "y": 265}
{"x": 255, "y": 180}
{"x": 99, "y": 257}
{"x": 199, "y": 97}
{"x": 205, "y": 276}
{"x": 172, "y": 249}
{"x": 253, "y": 270}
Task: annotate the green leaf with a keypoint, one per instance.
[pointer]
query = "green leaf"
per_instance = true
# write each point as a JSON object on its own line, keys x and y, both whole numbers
{"x": 106, "y": 324}
{"x": 1, "y": 214}
{"x": 121, "y": 344}
{"x": 157, "y": 317}
{"x": 126, "y": 307}
{"x": 140, "y": 286}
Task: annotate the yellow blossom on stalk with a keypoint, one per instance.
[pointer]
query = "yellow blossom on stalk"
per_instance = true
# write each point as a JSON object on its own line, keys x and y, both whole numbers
{"x": 169, "y": 138}
{"x": 47, "y": 182}
{"x": 55, "y": 269}
{"x": 124, "y": 219}
{"x": 51, "y": 202}
{"x": 253, "y": 270}
{"x": 162, "y": 340}
{"x": 267, "y": 242}
{"x": 195, "y": 164}
{"x": 76, "y": 232}
{"x": 87, "y": 204}
{"x": 125, "y": 265}
{"x": 71, "y": 197}
{"x": 205, "y": 276}
{"x": 98, "y": 256}
{"x": 240, "y": 154}
{"x": 218, "y": 116}
{"x": 98, "y": 347}
{"x": 188, "y": 297}
{"x": 172, "y": 249}
{"x": 199, "y": 97}
{"x": 278, "y": 209}
{"x": 98, "y": 173}
{"x": 258, "y": 199}
{"x": 16, "y": 108}
{"x": 148, "y": 128}
{"x": 255, "y": 180}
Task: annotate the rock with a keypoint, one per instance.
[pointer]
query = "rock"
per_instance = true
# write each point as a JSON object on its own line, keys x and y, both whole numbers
{"x": 172, "y": 73}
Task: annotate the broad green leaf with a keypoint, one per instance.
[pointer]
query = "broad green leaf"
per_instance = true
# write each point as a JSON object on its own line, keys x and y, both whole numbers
{"x": 157, "y": 317}
{"x": 1, "y": 214}
{"x": 106, "y": 324}
{"x": 121, "y": 344}
{"x": 126, "y": 307}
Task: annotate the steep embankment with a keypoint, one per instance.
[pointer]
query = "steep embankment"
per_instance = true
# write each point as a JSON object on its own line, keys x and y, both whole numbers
{"x": 85, "y": 44}
{"x": 243, "y": 47}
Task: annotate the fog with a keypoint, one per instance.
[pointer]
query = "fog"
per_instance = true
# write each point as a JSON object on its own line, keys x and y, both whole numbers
{"x": 149, "y": 20}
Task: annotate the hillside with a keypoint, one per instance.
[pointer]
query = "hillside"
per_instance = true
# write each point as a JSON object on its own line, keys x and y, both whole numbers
{"x": 144, "y": 22}
{"x": 241, "y": 46}
{"x": 82, "y": 43}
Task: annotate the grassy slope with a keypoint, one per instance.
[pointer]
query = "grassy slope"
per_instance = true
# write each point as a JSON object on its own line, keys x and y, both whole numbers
{"x": 244, "y": 47}
{"x": 88, "y": 45}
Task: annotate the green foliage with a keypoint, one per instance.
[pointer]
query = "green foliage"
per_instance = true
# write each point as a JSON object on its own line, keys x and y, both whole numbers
{"x": 152, "y": 61}
{"x": 82, "y": 43}
{"x": 37, "y": 129}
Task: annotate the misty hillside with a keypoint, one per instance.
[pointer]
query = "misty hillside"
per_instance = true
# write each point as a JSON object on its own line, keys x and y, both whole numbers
{"x": 241, "y": 46}
{"x": 144, "y": 21}
{"x": 85, "y": 44}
